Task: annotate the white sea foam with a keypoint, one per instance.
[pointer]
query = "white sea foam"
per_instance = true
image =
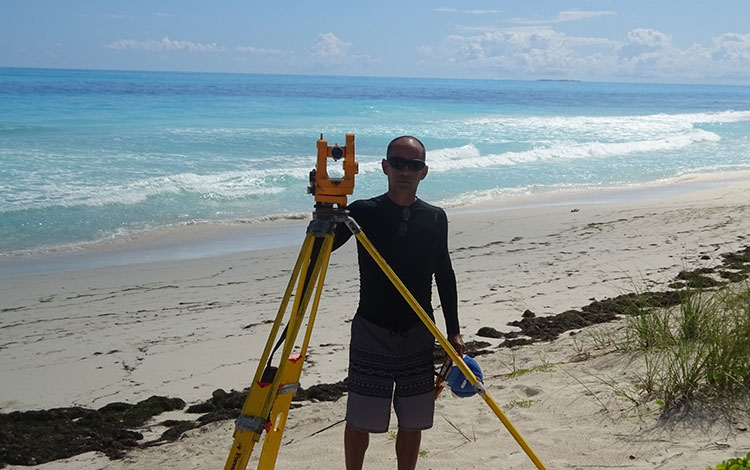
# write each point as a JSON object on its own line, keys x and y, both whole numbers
{"x": 636, "y": 122}
{"x": 718, "y": 117}
{"x": 565, "y": 193}
{"x": 236, "y": 131}
{"x": 546, "y": 138}
{"x": 508, "y": 128}
{"x": 226, "y": 185}
{"x": 674, "y": 131}
{"x": 469, "y": 157}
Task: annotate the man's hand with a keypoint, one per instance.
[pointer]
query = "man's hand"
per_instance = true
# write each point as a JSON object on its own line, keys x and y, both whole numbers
{"x": 458, "y": 343}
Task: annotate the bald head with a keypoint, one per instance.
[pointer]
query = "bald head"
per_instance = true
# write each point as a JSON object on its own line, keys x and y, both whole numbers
{"x": 405, "y": 140}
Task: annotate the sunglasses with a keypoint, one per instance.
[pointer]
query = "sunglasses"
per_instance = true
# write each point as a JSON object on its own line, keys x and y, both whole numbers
{"x": 399, "y": 163}
{"x": 404, "y": 227}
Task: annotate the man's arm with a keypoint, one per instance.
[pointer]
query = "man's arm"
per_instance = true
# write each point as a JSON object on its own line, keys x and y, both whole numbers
{"x": 341, "y": 235}
{"x": 445, "y": 278}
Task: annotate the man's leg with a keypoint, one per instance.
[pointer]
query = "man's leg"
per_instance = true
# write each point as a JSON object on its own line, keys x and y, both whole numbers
{"x": 355, "y": 445}
{"x": 407, "y": 449}
{"x": 414, "y": 400}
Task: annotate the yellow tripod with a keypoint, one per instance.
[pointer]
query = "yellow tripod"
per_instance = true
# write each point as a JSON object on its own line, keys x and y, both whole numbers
{"x": 268, "y": 401}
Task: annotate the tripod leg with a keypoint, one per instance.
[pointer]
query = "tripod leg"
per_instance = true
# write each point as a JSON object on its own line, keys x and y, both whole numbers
{"x": 301, "y": 300}
{"x": 250, "y": 424}
{"x": 292, "y": 373}
{"x": 262, "y": 396}
{"x": 443, "y": 341}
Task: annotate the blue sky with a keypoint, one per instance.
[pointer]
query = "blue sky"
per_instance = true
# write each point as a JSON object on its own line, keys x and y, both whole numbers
{"x": 615, "y": 40}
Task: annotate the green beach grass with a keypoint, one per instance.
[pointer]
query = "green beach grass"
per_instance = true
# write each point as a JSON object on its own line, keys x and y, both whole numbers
{"x": 697, "y": 353}
{"x": 734, "y": 464}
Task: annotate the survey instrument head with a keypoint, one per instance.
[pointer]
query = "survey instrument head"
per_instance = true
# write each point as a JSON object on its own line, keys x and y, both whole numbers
{"x": 329, "y": 190}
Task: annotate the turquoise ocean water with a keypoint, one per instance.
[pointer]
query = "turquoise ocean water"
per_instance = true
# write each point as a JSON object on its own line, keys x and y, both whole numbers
{"x": 87, "y": 156}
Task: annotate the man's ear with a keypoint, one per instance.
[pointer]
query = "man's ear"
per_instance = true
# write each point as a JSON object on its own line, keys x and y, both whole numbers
{"x": 424, "y": 172}
{"x": 384, "y": 164}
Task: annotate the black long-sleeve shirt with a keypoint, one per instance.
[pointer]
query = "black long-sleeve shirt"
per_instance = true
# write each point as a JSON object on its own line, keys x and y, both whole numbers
{"x": 414, "y": 242}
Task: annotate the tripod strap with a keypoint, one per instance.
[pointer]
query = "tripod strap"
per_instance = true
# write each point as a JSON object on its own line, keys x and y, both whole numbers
{"x": 317, "y": 245}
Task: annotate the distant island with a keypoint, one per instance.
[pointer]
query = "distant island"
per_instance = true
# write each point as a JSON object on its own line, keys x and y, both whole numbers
{"x": 555, "y": 80}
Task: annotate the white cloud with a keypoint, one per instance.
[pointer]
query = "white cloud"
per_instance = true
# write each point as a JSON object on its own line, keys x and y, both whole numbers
{"x": 649, "y": 37}
{"x": 565, "y": 17}
{"x": 104, "y": 16}
{"x": 259, "y": 51}
{"x": 163, "y": 45}
{"x": 525, "y": 50}
{"x": 650, "y": 53}
{"x": 580, "y": 15}
{"x": 329, "y": 50}
{"x": 168, "y": 45}
{"x": 543, "y": 51}
{"x": 481, "y": 12}
{"x": 328, "y": 46}
{"x": 731, "y": 47}
{"x": 468, "y": 12}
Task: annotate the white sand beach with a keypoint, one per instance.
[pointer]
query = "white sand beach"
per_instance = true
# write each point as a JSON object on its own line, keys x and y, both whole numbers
{"x": 89, "y": 337}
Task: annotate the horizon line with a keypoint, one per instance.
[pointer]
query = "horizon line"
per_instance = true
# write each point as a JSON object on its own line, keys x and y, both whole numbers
{"x": 540, "y": 79}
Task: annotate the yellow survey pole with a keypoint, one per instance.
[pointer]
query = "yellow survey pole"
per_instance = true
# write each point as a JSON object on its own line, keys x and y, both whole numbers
{"x": 478, "y": 386}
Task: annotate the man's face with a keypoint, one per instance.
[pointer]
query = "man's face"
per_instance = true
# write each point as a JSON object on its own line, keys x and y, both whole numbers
{"x": 404, "y": 179}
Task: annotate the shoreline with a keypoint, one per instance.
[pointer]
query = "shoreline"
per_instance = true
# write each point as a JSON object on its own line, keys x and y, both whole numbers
{"x": 190, "y": 326}
{"x": 217, "y": 239}
{"x": 170, "y": 244}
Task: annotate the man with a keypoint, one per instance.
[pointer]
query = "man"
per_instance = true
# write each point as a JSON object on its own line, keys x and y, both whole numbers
{"x": 389, "y": 343}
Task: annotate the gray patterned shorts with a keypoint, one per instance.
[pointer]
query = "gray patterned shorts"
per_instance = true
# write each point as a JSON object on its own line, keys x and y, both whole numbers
{"x": 379, "y": 359}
